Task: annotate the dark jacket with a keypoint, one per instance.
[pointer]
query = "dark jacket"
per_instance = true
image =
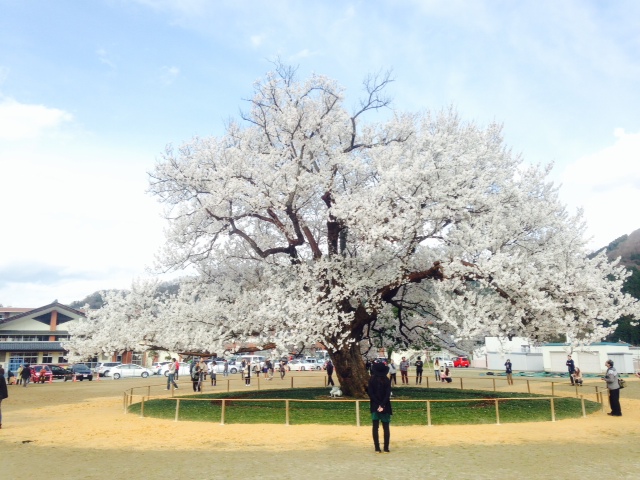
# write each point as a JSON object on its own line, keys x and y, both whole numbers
{"x": 4, "y": 393}
{"x": 379, "y": 391}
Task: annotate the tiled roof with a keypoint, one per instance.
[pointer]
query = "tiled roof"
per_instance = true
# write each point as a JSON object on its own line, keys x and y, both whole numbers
{"x": 54, "y": 305}
{"x": 31, "y": 347}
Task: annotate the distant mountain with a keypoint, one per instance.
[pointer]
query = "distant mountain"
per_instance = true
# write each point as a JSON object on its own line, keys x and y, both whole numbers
{"x": 627, "y": 247}
{"x": 95, "y": 300}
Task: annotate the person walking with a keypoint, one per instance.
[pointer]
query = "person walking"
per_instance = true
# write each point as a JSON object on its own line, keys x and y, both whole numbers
{"x": 509, "y": 372}
{"x": 571, "y": 366}
{"x": 172, "y": 375}
{"x": 26, "y": 375}
{"x": 4, "y": 391}
{"x": 330, "y": 373}
{"x": 611, "y": 377}
{"x": 392, "y": 372}
{"x": 20, "y": 368}
{"x": 436, "y": 368}
{"x": 404, "y": 371}
{"x": 283, "y": 369}
{"x": 419, "y": 366}
{"x": 177, "y": 377}
{"x": 379, "y": 390}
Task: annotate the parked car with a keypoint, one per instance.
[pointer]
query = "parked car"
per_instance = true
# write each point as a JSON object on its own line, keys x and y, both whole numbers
{"x": 37, "y": 373}
{"x": 81, "y": 371}
{"x": 184, "y": 369}
{"x": 157, "y": 367}
{"x": 461, "y": 362}
{"x": 129, "y": 370}
{"x": 302, "y": 365}
{"x": 444, "y": 362}
{"x": 102, "y": 369}
{"x": 61, "y": 372}
{"x": 232, "y": 368}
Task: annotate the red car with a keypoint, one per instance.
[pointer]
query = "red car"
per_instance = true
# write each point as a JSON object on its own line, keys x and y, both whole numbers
{"x": 461, "y": 362}
{"x": 41, "y": 373}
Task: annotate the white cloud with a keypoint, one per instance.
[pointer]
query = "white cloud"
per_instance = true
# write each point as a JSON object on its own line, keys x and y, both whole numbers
{"x": 105, "y": 58}
{"x": 20, "y": 121}
{"x": 256, "y": 40}
{"x": 606, "y": 184}
{"x": 169, "y": 75}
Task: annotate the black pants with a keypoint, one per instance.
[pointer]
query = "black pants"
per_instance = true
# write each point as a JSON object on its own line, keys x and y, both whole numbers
{"x": 393, "y": 378}
{"x": 614, "y": 402}
{"x": 330, "y": 379}
{"x": 418, "y": 376}
{"x": 386, "y": 433}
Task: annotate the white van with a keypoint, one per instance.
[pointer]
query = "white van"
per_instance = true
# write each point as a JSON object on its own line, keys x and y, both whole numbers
{"x": 253, "y": 359}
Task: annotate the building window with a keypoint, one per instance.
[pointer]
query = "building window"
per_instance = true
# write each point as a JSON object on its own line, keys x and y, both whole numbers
{"x": 525, "y": 348}
{"x": 136, "y": 358}
{"x": 47, "y": 357}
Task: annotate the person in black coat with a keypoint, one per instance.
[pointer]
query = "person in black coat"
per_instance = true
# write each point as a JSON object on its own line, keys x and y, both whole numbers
{"x": 379, "y": 390}
{"x": 4, "y": 392}
{"x": 330, "y": 373}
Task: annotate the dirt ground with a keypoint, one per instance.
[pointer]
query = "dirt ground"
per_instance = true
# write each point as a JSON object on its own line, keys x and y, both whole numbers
{"x": 79, "y": 431}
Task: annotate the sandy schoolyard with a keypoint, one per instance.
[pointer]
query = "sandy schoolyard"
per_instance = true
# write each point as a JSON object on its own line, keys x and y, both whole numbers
{"x": 78, "y": 431}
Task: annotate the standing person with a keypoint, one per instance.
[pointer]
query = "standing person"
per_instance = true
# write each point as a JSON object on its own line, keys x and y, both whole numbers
{"x": 404, "y": 371}
{"x": 26, "y": 375}
{"x": 330, "y": 373}
{"x": 571, "y": 366}
{"x": 419, "y": 366}
{"x": 379, "y": 390}
{"x": 508, "y": 371}
{"x": 392, "y": 372}
{"x": 195, "y": 375}
{"x": 271, "y": 369}
{"x": 20, "y": 368}
{"x": 213, "y": 366}
{"x": 177, "y": 369}
{"x": 172, "y": 374}
{"x": 4, "y": 391}
{"x": 225, "y": 372}
{"x": 202, "y": 373}
{"x": 247, "y": 374}
{"x": 283, "y": 369}
{"x": 611, "y": 377}
{"x": 436, "y": 368}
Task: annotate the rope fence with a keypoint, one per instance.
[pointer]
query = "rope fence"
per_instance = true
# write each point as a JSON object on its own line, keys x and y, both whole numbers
{"x": 531, "y": 385}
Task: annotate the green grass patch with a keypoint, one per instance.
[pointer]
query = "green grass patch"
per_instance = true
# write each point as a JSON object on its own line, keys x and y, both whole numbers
{"x": 268, "y": 406}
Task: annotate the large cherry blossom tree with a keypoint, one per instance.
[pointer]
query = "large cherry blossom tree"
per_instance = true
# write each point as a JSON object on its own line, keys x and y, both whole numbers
{"x": 304, "y": 222}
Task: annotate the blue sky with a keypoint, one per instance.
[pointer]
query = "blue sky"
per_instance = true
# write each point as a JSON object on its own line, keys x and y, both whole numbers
{"x": 91, "y": 92}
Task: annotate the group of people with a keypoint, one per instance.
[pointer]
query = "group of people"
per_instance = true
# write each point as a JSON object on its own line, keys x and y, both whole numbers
{"x": 442, "y": 372}
{"x": 22, "y": 376}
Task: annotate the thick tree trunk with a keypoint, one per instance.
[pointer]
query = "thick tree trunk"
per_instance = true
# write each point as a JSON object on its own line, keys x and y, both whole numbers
{"x": 350, "y": 370}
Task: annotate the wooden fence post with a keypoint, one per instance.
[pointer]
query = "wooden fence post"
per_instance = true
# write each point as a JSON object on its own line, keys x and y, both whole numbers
{"x": 357, "y": 413}
{"x": 528, "y": 387}
{"x": 427, "y": 381}
{"x": 461, "y": 387}
{"x": 286, "y": 412}
{"x": 584, "y": 411}
{"x": 553, "y": 411}
{"x": 142, "y": 407}
{"x": 177, "y": 409}
{"x": 494, "y": 384}
{"x": 553, "y": 389}
{"x": 291, "y": 382}
{"x": 222, "y": 411}
{"x": 428, "y": 413}
{"x": 497, "y": 412}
